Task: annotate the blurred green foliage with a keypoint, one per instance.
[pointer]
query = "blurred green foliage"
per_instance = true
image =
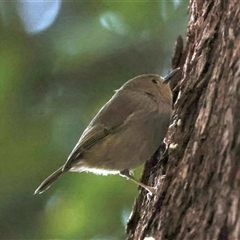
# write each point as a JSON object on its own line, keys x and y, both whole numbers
{"x": 52, "y": 82}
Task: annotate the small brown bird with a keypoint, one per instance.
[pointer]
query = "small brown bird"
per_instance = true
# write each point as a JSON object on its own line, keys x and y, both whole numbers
{"x": 125, "y": 133}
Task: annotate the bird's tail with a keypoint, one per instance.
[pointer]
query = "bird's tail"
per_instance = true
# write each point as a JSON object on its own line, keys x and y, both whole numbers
{"x": 48, "y": 181}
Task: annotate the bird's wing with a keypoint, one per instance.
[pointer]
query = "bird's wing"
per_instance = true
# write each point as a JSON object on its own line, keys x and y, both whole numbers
{"x": 92, "y": 135}
{"x": 116, "y": 111}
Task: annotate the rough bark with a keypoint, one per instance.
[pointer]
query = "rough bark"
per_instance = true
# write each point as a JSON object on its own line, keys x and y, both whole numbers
{"x": 199, "y": 198}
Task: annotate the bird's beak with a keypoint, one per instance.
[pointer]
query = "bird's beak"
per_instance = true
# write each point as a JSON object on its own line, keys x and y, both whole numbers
{"x": 167, "y": 78}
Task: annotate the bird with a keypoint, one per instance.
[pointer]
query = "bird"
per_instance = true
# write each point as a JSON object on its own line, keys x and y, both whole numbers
{"x": 125, "y": 132}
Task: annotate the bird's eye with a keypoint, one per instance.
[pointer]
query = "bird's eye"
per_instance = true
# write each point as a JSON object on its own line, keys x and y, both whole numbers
{"x": 154, "y": 81}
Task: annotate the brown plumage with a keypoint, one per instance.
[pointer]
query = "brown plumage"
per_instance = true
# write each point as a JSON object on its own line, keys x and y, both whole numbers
{"x": 125, "y": 133}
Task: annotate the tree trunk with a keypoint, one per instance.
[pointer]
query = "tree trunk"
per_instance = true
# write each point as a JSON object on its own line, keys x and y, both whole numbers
{"x": 199, "y": 197}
